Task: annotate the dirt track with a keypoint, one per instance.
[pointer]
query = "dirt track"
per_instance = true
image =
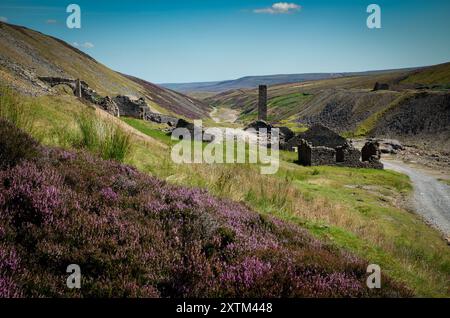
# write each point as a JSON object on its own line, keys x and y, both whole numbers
{"x": 431, "y": 197}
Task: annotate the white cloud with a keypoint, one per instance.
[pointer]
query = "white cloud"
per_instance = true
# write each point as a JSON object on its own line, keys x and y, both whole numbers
{"x": 280, "y": 8}
{"x": 3, "y": 19}
{"x": 86, "y": 45}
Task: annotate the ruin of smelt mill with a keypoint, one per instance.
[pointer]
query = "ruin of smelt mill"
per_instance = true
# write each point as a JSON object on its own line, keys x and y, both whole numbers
{"x": 319, "y": 145}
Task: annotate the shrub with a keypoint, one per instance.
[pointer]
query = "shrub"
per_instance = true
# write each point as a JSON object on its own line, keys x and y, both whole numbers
{"x": 15, "y": 145}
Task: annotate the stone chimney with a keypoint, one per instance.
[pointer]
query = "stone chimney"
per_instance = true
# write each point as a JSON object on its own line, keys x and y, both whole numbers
{"x": 78, "y": 88}
{"x": 262, "y": 103}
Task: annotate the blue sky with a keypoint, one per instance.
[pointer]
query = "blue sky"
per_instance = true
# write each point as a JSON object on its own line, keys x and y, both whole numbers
{"x": 205, "y": 40}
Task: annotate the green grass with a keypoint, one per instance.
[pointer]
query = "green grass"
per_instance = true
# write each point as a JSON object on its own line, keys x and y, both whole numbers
{"x": 148, "y": 128}
{"x": 15, "y": 110}
{"x": 446, "y": 181}
{"x": 355, "y": 209}
{"x": 292, "y": 123}
{"x": 434, "y": 75}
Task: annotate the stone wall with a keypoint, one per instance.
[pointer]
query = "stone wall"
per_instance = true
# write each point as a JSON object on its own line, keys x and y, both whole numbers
{"x": 161, "y": 119}
{"x": 304, "y": 153}
{"x": 348, "y": 155}
{"x": 323, "y": 156}
{"x": 371, "y": 151}
{"x": 344, "y": 156}
{"x": 109, "y": 106}
{"x": 131, "y": 108}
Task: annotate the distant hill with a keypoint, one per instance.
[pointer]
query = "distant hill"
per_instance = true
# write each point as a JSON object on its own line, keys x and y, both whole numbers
{"x": 254, "y": 81}
{"x": 26, "y": 55}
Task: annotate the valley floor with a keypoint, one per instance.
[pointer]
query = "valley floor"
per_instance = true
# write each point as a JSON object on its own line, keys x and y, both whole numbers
{"x": 224, "y": 115}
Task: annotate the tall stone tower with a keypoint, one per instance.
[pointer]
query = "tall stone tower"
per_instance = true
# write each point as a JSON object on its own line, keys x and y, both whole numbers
{"x": 78, "y": 88}
{"x": 262, "y": 103}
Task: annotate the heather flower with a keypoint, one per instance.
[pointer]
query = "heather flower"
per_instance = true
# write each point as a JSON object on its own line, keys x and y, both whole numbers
{"x": 134, "y": 235}
{"x": 108, "y": 194}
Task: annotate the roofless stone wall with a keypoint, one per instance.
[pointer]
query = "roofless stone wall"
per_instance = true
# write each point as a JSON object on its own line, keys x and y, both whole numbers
{"x": 346, "y": 156}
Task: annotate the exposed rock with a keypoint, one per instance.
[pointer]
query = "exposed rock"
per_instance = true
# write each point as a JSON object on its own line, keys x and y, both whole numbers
{"x": 391, "y": 146}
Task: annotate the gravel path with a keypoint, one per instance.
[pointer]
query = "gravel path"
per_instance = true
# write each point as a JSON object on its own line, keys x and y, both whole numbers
{"x": 431, "y": 197}
{"x": 224, "y": 115}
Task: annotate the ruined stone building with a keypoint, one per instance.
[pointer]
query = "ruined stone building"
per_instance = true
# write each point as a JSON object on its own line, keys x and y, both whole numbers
{"x": 121, "y": 105}
{"x": 322, "y": 146}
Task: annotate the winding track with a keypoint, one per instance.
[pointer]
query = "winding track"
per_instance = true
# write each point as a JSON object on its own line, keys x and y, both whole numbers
{"x": 431, "y": 197}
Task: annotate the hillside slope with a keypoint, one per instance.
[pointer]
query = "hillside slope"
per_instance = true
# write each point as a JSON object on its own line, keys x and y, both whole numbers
{"x": 26, "y": 55}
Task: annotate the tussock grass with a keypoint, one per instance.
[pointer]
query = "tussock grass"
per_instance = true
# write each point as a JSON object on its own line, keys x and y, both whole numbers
{"x": 102, "y": 137}
{"x": 15, "y": 110}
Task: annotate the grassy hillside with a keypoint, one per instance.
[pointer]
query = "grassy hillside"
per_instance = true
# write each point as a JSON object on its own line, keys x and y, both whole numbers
{"x": 358, "y": 210}
{"x": 26, "y": 55}
{"x": 433, "y": 75}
